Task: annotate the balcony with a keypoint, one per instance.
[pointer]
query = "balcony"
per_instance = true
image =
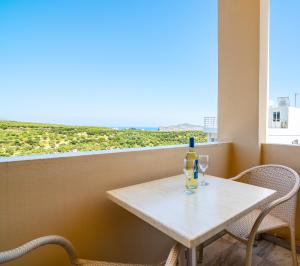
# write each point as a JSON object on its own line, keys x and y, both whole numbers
{"x": 65, "y": 194}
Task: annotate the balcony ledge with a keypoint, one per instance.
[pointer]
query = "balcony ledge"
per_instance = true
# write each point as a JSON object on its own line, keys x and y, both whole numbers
{"x": 90, "y": 153}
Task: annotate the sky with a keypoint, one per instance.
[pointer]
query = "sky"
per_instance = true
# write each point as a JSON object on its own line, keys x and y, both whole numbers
{"x": 125, "y": 62}
{"x": 284, "y": 49}
{"x": 108, "y": 62}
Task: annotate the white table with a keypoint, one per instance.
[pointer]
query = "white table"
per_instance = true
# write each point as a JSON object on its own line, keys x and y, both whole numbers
{"x": 190, "y": 219}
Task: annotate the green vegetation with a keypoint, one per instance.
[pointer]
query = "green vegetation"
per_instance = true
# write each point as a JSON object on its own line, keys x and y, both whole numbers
{"x": 22, "y": 138}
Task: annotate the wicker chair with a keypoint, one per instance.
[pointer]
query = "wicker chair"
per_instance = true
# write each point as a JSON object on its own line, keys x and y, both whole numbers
{"x": 277, "y": 212}
{"x": 20, "y": 251}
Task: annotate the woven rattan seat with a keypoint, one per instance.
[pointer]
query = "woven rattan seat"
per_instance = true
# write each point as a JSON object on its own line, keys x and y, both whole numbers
{"x": 10, "y": 255}
{"x": 242, "y": 228}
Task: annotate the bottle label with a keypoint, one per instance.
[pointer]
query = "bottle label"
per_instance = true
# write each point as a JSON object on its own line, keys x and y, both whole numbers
{"x": 196, "y": 169}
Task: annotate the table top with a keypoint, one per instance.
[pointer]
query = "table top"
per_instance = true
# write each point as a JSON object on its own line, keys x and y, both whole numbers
{"x": 190, "y": 219}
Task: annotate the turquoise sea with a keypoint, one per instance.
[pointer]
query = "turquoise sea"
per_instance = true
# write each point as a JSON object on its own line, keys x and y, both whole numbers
{"x": 138, "y": 128}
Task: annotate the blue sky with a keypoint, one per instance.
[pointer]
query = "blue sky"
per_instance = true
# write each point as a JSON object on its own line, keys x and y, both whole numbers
{"x": 124, "y": 62}
{"x": 285, "y": 49}
{"x": 108, "y": 62}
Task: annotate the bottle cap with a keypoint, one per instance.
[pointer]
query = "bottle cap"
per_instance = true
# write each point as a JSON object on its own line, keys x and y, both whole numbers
{"x": 192, "y": 142}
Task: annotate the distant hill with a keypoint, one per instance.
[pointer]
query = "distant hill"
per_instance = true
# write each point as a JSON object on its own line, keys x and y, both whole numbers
{"x": 182, "y": 127}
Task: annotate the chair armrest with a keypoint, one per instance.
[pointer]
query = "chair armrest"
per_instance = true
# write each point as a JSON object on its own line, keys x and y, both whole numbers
{"x": 240, "y": 175}
{"x": 235, "y": 178}
{"x": 269, "y": 208}
{"x": 9, "y": 255}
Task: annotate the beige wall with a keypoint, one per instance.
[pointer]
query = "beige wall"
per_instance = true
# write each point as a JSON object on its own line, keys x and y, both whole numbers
{"x": 243, "y": 75}
{"x": 288, "y": 155}
{"x": 66, "y": 196}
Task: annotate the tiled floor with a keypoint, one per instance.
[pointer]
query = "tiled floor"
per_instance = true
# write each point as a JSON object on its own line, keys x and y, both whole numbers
{"x": 228, "y": 252}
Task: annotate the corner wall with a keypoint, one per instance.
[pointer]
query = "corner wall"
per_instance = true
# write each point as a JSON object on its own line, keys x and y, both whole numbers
{"x": 243, "y": 76}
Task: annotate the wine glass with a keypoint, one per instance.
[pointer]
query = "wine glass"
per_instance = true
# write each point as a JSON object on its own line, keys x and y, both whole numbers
{"x": 203, "y": 166}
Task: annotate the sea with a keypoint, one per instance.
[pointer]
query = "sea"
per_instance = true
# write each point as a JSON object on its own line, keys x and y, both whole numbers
{"x": 138, "y": 128}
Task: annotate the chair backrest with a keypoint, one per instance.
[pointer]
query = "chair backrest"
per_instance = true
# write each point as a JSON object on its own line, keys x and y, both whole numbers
{"x": 280, "y": 178}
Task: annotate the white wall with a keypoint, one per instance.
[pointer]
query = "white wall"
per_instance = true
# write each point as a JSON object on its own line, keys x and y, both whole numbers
{"x": 294, "y": 118}
{"x": 283, "y": 135}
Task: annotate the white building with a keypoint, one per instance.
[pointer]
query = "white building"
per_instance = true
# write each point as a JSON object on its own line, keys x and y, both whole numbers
{"x": 210, "y": 128}
{"x": 284, "y": 123}
{"x": 210, "y": 122}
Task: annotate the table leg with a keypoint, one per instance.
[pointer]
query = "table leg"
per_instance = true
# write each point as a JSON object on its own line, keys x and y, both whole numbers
{"x": 192, "y": 261}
